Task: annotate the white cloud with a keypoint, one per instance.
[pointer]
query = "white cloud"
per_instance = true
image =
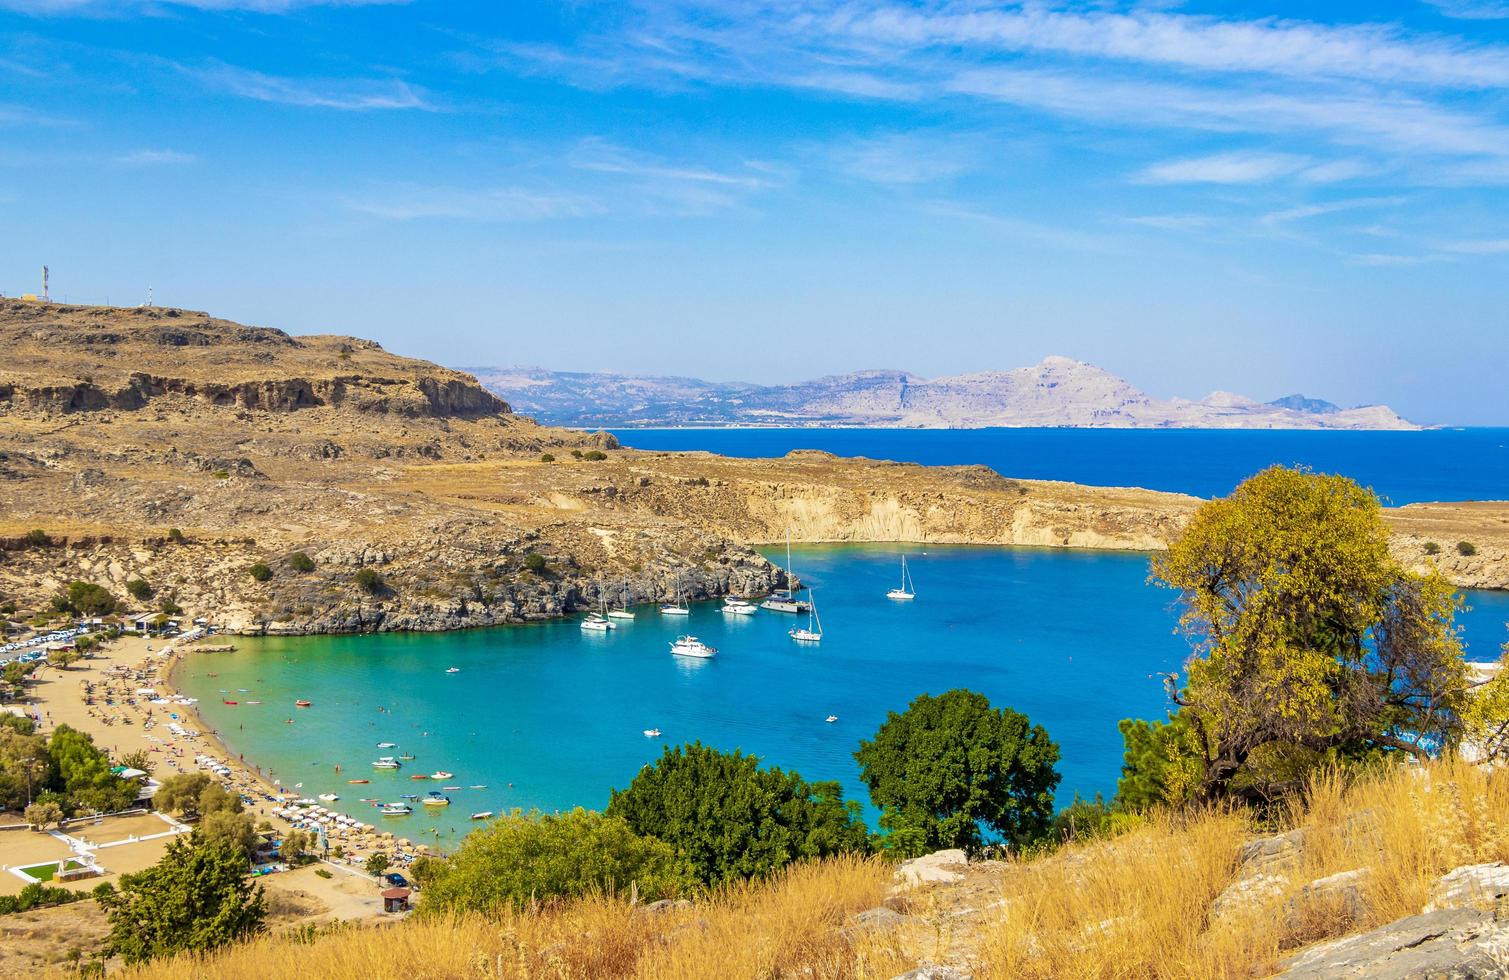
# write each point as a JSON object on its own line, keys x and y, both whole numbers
{"x": 905, "y": 158}
{"x": 354, "y": 94}
{"x": 503, "y": 204}
{"x": 1224, "y": 168}
{"x": 1306, "y": 211}
{"x": 1472, "y": 9}
{"x": 154, "y": 158}
{"x": 1492, "y": 246}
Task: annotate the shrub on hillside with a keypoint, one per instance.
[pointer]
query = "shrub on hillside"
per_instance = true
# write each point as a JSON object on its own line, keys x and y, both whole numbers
{"x": 1466, "y": 548}
{"x": 260, "y": 572}
{"x": 38, "y": 538}
{"x": 369, "y": 581}
{"x": 139, "y": 589}
{"x": 85, "y": 599}
{"x": 521, "y": 859}
{"x": 197, "y": 898}
{"x": 952, "y": 767}
{"x": 1431, "y": 548}
{"x": 734, "y": 820}
{"x": 534, "y": 562}
{"x": 300, "y": 562}
{"x": 547, "y": 458}
{"x": 594, "y": 455}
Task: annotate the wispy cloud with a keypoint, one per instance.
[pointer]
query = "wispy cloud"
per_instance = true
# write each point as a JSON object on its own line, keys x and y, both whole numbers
{"x": 1224, "y": 168}
{"x": 1490, "y": 246}
{"x": 905, "y": 158}
{"x": 155, "y": 158}
{"x": 409, "y": 202}
{"x": 1069, "y": 239}
{"x": 352, "y": 94}
{"x": 1472, "y": 9}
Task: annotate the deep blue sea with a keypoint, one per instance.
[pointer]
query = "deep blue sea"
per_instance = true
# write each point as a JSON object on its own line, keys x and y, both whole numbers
{"x": 549, "y": 716}
{"x": 1402, "y": 467}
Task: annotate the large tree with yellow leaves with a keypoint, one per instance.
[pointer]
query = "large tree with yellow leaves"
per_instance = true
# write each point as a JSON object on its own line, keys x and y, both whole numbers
{"x": 1311, "y": 644}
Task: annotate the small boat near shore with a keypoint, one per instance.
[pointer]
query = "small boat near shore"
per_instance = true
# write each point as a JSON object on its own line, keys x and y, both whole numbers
{"x": 329, "y": 797}
{"x": 386, "y": 762}
{"x": 441, "y": 774}
{"x": 678, "y": 607}
{"x": 396, "y": 810}
{"x": 436, "y": 799}
{"x": 907, "y": 590}
{"x": 301, "y": 703}
{"x": 482, "y": 815}
{"x": 358, "y": 782}
{"x": 596, "y": 623}
{"x": 387, "y": 745}
{"x": 652, "y": 733}
{"x": 623, "y": 612}
{"x": 739, "y": 607}
{"x": 814, "y": 630}
{"x": 453, "y": 670}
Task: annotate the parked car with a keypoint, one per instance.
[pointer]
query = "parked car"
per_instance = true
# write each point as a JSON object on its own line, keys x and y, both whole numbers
{"x": 395, "y": 880}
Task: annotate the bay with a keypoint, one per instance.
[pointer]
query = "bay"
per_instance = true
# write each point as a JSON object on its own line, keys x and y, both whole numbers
{"x": 549, "y": 716}
{"x": 1402, "y": 467}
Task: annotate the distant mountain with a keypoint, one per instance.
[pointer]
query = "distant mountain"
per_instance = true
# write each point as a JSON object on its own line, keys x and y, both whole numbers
{"x": 1057, "y": 392}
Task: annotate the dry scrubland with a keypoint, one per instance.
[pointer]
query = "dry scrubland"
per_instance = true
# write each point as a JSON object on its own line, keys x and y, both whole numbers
{"x": 1148, "y": 903}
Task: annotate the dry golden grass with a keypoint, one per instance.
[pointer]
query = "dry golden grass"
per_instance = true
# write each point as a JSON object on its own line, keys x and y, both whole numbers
{"x": 1136, "y": 906}
{"x": 1139, "y": 906}
{"x": 791, "y": 926}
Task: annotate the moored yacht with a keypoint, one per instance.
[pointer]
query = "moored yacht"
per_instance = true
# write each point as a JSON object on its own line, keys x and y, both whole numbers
{"x": 738, "y": 607}
{"x": 690, "y": 646}
{"x": 785, "y": 600}
{"x": 907, "y": 589}
{"x": 814, "y": 630}
{"x": 596, "y": 623}
{"x": 677, "y": 608}
{"x": 623, "y": 612}
{"x": 396, "y": 809}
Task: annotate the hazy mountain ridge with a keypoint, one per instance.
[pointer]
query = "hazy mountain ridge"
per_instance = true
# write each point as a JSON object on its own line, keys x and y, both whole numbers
{"x": 1058, "y": 391}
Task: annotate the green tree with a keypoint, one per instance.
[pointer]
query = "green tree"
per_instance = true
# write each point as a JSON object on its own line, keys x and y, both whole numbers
{"x": 14, "y": 676}
{"x": 62, "y": 658}
{"x": 43, "y": 815}
{"x": 26, "y": 767}
{"x": 300, "y": 562}
{"x": 1487, "y": 716}
{"x": 1311, "y": 643}
{"x": 1160, "y": 765}
{"x": 369, "y": 581}
{"x": 731, "y": 819}
{"x": 952, "y": 767}
{"x": 85, "y": 599}
{"x": 180, "y": 794}
{"x": 377, "y": 864}
{"x": 197, "y": 898}
{"x": 520, "y": 859}
{"x": 139, "y": 589}
{"x": 260, "y": 572}
{"x": 85, "y": 775}
{"x": 139, "y": 759}
{"x": 534, "y": 562}
{"x": 1466, "y": 548}
{"x": 228, "y": 826}
{"x": 297, "y": 846}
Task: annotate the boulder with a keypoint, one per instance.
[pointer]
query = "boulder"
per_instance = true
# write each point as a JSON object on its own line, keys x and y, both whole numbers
{"x": 1341, "y": 892}
{"x": 940, "y": 867}
{"x": 1448, "y": 944}
{"x": 931, "y": 971}
{"x": 1475, "y": 884}
{"x": 879, "y": 918}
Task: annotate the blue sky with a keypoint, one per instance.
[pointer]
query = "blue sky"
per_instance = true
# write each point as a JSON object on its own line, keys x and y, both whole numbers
{"x": 1264, "y": 198}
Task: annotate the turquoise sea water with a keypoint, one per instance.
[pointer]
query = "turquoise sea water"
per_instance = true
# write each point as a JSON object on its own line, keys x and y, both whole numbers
{"x": 1072, "y": 639}
{"x": 1403, "y": 467}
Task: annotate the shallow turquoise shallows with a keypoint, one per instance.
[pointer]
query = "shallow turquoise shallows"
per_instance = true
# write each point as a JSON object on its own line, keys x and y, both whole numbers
{"x": 549, "y": 716}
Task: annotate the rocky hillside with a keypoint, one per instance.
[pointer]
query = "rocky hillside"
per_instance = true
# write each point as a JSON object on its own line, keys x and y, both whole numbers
{"x": 398, "y": 495}
{"x": 67, "y": 359}
{"x": 1057, "y": 392}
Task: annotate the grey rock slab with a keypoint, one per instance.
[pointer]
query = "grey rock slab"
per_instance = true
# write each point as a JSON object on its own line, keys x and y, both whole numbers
{"x": 1474, "y": 884}
{"x": 1449, "y": 944}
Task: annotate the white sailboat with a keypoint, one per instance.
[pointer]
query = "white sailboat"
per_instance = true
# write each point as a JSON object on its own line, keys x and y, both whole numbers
{"x": 908, "y": 589}
{"x": 677, "y": 608}
{"x": 625, "y": 612}
{"x": 597, "y": 622}
{"x": 785, "y": 600}
{"x": 814, "y": 631}
{"x": 690, "y": 646}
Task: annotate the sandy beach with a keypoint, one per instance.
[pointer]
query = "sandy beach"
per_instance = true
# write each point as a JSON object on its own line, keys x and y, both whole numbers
{"x": 110, "y": 696}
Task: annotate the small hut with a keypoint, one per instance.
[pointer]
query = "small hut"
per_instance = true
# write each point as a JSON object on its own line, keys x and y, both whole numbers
{"x": 395, "y": 900}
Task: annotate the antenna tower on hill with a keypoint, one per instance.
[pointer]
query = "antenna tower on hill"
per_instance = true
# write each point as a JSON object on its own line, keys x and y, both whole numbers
{"x": 45, "y": 297}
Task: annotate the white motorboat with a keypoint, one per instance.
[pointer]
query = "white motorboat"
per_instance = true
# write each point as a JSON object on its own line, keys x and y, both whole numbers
{"x": 624, "y": 612}
{"x": 387, "y": 762}
{"x": 690, "y": 646}
{"x": 739, "y": 607}
{"x": 596, "y": 623}
{"x": 908, "y": 589}
{"x": 436, "y": 799}
{"x": 652, "y": 733}
{"x": 814, "y": 631}
{"x": 483, "y": 815}
{"x": 396, "y": 809}
{"x": 831, "y": 719}
{"x": 387, "y": 745}
{"x": 453, "y": 670}
{"x": 785, "y": 600}
{"x": 329, "y": 797}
